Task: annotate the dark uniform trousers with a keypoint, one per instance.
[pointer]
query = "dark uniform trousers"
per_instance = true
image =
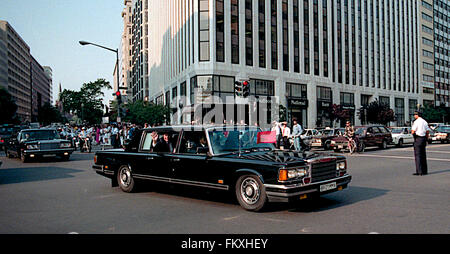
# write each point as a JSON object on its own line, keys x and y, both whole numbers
{"x": 420, "y": 155}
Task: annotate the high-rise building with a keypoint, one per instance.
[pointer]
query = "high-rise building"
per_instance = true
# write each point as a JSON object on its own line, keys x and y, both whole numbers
{"x": 441, "y": 17}
{"x": 18, "y": 65}
{"x": 135, "y": 49}
{"x": 309, "y": 54}
{"x": 40, "y": 88}
{"x": 29, "y": 84}
{"x": 125, "y": 50}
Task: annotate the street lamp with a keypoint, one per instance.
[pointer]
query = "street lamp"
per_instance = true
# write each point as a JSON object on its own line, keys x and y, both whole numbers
{"x": 84, "y": 43}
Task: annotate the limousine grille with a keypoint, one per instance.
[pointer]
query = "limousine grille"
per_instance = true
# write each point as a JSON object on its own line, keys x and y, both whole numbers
{"x": 323, "y": 171}
{"x": 49, "y": 146}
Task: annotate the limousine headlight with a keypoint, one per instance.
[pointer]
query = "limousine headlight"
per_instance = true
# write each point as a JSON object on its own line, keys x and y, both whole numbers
{"x": 342, "y": 165}
{"x": 290, "y": 174}
{"x": 65, "y": 145}
{"x": 33, "y": 147}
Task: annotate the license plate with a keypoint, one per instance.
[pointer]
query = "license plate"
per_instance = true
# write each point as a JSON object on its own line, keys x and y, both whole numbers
{"x": 340, "y": 146}
{"x": 328, "y": 186}
{"x": 48, "y": 155}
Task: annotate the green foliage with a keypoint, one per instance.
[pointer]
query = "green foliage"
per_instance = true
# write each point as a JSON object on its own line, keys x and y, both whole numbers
{"x": 433, "y": 114}
{"x": 8, "y": 107}
{"x": 87, "y": 103}
{"x": 377, "y": 113}
{"x": 49, "y": 114}
{"x": 140, "y": 112}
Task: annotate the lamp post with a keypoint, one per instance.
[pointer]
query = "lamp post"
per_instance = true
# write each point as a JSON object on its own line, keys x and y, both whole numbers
{"x": 84, "y": 43}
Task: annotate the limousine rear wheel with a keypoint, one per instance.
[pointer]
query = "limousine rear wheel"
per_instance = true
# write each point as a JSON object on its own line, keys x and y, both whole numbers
{"x": 250, "y": 193}
{"x": 125, "y": 179}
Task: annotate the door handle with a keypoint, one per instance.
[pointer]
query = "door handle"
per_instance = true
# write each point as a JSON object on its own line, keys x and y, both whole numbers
{"x": 176, "y": 160}
{"x": 149, "y": 158}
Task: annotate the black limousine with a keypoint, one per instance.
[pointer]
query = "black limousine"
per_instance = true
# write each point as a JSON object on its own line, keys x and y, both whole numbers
{"x": 230, "y": 158}
{"x": 37, "y": 143}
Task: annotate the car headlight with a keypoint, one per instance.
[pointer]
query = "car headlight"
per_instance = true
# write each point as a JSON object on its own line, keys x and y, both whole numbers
{"x": 65, "y": 145}
{"x": 33, "y": 147}
{"x": 342, "y": 165}
{"x": 290, "y": 174}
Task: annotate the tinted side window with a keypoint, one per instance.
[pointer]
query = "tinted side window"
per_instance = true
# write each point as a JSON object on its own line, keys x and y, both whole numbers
{"x": 193, "y": 142}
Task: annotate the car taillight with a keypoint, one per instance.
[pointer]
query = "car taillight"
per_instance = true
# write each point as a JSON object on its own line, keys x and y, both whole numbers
{"x": 95, "y": 159}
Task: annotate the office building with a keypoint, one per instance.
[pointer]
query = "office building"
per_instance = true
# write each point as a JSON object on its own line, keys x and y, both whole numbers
{"x": 18, "y": 66}
{"x": 308, "y": 54}
{"x": 441, "y": 14}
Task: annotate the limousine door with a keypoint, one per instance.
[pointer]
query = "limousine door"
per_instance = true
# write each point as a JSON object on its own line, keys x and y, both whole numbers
{"x": 148, "y": 163}
{"x": 191, "y": 164}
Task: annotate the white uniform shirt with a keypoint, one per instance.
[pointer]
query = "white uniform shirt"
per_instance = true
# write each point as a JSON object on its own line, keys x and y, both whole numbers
{"x": 420, "y": 126}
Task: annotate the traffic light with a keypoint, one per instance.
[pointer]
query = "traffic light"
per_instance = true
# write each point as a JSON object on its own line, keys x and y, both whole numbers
{"x": 118, "y": 97}
{"x": 238, "y": 88}
{"x": 242, "y": 88}
{"x": 245, "y": 89}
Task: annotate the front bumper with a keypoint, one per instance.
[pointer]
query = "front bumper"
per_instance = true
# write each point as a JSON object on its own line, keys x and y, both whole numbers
{"x": 65, "y": 151}
{"x": 286, "y": 193}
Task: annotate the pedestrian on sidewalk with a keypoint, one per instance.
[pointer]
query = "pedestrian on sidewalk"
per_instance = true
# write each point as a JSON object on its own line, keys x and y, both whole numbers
{"x": 420, "y": 131}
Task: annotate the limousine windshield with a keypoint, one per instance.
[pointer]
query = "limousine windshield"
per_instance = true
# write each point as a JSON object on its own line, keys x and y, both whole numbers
{"x": 236, "y": 139}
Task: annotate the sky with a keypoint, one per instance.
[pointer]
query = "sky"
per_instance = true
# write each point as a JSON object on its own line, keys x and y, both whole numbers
{"x": 52, "y": 29}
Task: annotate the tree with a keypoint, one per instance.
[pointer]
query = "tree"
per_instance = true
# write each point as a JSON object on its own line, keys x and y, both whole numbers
{"x": 49, "y": 114}
{"x": 338, "y": 113}
{"x": 87, "y": 103}
{"x": 434, "y": 114}
{"x": 140, "y": 112}
{"x": 8, "y": 107}
{"x": 377, "y": 113}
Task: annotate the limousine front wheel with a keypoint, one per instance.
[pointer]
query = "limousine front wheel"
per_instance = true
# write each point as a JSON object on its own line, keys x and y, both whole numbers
{"x": 125, "y": 179}
{"x": 250, "y": 193}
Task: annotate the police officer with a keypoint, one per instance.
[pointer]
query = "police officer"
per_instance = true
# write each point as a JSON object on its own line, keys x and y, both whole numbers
{"x": 420, "y": 131}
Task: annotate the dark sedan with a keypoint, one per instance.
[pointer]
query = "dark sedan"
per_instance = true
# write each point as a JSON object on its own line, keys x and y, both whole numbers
{"x": 36, "y": 143}
{"x": 323, "y": 140}
{"x": 368, "y": 136}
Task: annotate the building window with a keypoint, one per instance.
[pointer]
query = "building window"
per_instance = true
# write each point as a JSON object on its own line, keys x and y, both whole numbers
{"x": 306, "y": 35}
{"x": 248, "y": 33}
{"x": 400, "y": 111}
{"x": 316, "y": 36}
{"x": 274, "y": 34}
{"x": 296, "y": 37}
{"x": 262, "y": 32}
{"x": 220, "y": 31}
{"x": 325, "y": 37}
{"x": 204, "y": 30}
{"x": 339, "y": 40}
{"x": 285, "y": 15}
{"x": 235, "y": 31}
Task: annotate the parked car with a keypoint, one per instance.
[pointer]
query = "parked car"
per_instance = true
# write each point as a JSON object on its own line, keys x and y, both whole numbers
{"x": 307, "y": 136}
{"x": 230, "y": 158}
{"x": 442, "y": 133}
{"x": 323, "y": 139}
{"x": 431, "y": 136}
{"x": 36, "y": 143}
{"x": 401, "y": 136}
{"x": 368, "y": 136}
{"x": 6, "y": 131}
{"x": 433, "y": 126}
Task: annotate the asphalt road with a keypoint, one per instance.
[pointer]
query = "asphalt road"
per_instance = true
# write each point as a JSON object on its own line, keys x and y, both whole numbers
{"x": 56, "y": 197}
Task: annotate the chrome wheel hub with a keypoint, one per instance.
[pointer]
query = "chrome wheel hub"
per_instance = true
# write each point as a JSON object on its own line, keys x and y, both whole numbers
{"x": 250, "y": 191}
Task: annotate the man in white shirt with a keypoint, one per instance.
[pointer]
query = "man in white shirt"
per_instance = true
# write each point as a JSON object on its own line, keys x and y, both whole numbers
{"x": 285, "y": 134}
{"x": 420, "y": 132}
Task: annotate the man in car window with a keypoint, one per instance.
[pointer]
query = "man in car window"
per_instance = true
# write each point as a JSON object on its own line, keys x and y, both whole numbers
{"x": 164, "y": 145}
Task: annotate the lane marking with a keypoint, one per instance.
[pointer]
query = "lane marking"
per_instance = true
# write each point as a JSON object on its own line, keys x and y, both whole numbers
{"x": 398, "y": 157}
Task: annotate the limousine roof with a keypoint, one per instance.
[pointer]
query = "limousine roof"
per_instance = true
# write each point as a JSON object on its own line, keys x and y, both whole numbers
{"x": 198, "y": 126}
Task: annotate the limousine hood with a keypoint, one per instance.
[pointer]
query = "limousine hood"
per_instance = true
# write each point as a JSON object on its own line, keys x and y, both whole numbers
{"x": 280, "y": 157}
